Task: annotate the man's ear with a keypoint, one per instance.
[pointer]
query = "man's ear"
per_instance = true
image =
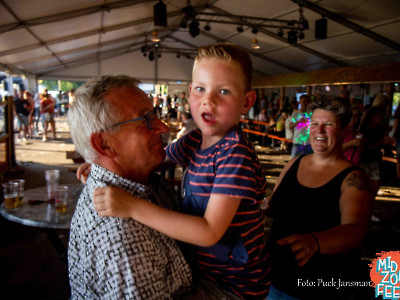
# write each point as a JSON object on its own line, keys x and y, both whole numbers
{"x": 250, "y": 98}
{"x": 100, "y": 144}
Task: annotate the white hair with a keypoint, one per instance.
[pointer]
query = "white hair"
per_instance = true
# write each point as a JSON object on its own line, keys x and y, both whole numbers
{"x": 91, "y": 112}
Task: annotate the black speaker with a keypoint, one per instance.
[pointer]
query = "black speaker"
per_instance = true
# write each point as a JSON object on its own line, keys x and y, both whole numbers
{"x": 160, "y": 14}
{"x": 321, "y": 28}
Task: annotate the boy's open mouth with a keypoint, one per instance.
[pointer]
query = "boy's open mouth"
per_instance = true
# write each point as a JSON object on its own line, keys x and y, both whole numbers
{"x": 208, "y": 118}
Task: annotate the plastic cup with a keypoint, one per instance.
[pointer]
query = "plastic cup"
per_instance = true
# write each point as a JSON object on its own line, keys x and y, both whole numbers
{"x": 61, "y": 199}
{"x": 52, "y": 177}
{"x": 10, "y": 192}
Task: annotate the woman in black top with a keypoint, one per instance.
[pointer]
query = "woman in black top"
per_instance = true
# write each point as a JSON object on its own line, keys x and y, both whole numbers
{"x": 321, "y": 206}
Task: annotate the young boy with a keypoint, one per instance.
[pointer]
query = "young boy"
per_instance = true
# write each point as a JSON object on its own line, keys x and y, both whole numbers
{"x": 223, "y": 185}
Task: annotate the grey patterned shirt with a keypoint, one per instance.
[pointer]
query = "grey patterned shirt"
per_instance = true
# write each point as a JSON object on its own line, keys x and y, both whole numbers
{"x": 115, "y": 258}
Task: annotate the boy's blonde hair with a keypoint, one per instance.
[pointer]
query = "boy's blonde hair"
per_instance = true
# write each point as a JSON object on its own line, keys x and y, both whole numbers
{"x": 230, "y": 52}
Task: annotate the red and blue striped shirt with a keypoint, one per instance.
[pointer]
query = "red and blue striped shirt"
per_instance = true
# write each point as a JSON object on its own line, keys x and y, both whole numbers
{"x": 239, "y": 261}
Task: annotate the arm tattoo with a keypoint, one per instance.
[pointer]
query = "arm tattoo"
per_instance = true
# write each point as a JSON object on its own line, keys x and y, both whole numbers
{"x": 358, "y": 180}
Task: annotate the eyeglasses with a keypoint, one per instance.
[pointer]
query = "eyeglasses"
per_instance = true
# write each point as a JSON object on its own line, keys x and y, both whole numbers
{"x": 150, "y": 118}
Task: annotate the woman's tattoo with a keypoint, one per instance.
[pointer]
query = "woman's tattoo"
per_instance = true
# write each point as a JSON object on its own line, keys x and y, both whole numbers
{"x": 359, "y": 181}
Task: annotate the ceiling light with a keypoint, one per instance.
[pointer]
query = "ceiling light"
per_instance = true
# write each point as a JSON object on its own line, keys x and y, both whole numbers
{"x": 151, "y": 56}
{"x": 207, "y": 27}
{"x": 154, "y": 36}
{"x": 292, "y": 37}
{"x": 254, "y": 30}
{"x": 255, "y": 44}
{"x": 280, "y": 32}
{"x": 239, "y": 29}
{"x": 184, "y": 24}
{"x": 301, "y": 35}
{"x": 194, "y": 29}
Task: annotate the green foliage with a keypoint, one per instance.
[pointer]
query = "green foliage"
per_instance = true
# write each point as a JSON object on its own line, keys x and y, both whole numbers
{"x": 66, "y": 86}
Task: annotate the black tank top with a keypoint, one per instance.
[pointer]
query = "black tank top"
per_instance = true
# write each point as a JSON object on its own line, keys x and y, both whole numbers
{"x": 300, "y": 209}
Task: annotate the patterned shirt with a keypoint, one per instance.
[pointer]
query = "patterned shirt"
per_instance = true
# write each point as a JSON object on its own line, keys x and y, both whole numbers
{"x": 238, "y": 262}
{"x": 115, "y": 258}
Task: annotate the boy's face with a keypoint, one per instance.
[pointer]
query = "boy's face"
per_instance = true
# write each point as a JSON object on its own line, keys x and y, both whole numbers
{"x": 218, "y": 97}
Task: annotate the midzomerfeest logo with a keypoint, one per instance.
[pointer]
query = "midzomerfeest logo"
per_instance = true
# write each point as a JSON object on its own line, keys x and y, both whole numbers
{"x": 385, "y": 275}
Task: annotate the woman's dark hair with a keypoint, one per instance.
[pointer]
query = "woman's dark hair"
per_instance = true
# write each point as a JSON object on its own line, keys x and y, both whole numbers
{"x": 340, "y": 108}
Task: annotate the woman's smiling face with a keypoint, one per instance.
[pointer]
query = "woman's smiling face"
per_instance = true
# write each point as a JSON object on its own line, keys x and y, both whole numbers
{"x": 325, "y": 131}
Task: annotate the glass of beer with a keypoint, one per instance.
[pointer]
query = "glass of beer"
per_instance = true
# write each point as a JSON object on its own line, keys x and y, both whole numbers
{"x": 10, "y": 192}
{"x": 21, "y": 183}
{"x": 61, "y": 199}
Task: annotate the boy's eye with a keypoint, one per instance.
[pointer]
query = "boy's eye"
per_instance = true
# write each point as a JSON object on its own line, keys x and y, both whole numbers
{"x": 200, "y": 89}
{"x": 224, "y": 92}
{"x": 314, "y": 124}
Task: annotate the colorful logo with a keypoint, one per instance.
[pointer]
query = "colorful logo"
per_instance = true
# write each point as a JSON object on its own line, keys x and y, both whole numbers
{"x": 385, "y": 275}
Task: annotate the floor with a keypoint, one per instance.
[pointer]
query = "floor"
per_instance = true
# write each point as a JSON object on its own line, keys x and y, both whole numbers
{"x": 30, "y": 267}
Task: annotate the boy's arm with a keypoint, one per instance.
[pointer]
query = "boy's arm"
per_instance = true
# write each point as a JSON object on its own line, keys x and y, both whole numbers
{"x": 202, "y": 231}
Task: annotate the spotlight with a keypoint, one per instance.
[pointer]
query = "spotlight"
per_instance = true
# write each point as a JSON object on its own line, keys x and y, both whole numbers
{"x": 254, "y": 30}
{"x": 280, "y": 32}
{"x": 144, "y": 54}
{"x": 207, "y": 27}
{"x": 159, "y": 55}
{"x": 188, "y": 56}
{"x": 184, "y": 24}
{"x": 178, "y": 55}
{"x": 292, "y": 37}
{"x": 239, "y": 29}
{"x": 255, "y": 44}
{"x": 194, "y": 29}
{"x": 304, "y": 24}
{"x": 154, "y": 36}
{"x": 143, "y": 49}
{"x": 301, "y": 35}
{"x": 151, "y": 56}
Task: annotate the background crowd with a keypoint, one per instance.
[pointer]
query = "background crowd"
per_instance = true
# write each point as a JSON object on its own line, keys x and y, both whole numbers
{"x": 34, "y": 113}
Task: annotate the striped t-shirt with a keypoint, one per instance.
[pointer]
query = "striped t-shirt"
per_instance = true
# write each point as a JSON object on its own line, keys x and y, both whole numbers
{"x": 238, "y": 262}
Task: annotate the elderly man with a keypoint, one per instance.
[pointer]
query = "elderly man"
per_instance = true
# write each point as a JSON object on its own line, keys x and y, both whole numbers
{"x": 113, "y": 126}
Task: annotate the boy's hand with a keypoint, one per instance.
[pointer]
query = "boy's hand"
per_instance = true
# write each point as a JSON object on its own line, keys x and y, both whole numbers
{"x": 112, "y": 202}
{"x": 83, "y": 172}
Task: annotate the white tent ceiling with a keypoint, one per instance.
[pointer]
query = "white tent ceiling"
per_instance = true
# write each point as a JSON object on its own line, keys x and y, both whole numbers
{"x": 77, "y": 39}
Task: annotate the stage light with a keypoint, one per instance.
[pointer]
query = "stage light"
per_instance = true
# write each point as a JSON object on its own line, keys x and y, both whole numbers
{"x": 254, "y": 30}
{"x": 207, "y": 27}
{"x": 184, "y": 24}
{"x": 301, "y": 35}
{"x": 151, "y": 56}
{"x": 194, "y": 29}
{"x": 239, "y": 29}
{"x": 280, "y": 32}
{"x": 154, "y": 36}
{"x": 255, "y": 44}
{"x": 292, "y": 37}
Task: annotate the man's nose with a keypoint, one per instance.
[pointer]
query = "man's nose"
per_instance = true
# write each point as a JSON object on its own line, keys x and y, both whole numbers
{"x": 160, "y": 126}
